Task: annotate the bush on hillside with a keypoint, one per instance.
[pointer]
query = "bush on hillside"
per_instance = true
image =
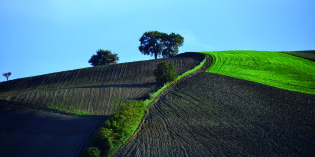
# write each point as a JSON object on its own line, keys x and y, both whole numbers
{"x": 90, "y": 152}
{"x": 93, "y": 152}
{"x": 105, "y": 137}
{"x": 116, "y": 130}
{"x": 165, "y": 72}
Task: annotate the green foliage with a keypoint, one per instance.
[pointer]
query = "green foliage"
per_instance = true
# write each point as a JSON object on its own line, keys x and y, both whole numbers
{"x": 7, "y": 75}
{"x": 62, "y": 109}
{"x": 115, "y": 131}
{"x": 171, "y": 44}
{"x": 105, "y": 137}
{"x": 165, "y": 72}
{"x": 157, "y": 43}
{"x": 81, "y": 112}
{"x": 103, "y": 57}
{"x": 93, "y": 152}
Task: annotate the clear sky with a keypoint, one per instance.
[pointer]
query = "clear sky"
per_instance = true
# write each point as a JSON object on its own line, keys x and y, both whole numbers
{"x": 45, "y": 36}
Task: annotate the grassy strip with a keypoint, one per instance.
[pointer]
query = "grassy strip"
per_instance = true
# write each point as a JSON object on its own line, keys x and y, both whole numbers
{"x": 116, "y": 131}
{"x": 271, "y": 68}
{"x": 154, "y": 95}
{"x": 61, "y": 109}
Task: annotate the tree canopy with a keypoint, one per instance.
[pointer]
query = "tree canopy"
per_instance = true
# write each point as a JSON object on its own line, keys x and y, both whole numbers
{"x": 7, "y": 75}
{"x": 165, "y": 72}
{"x": 103, "y": 57}
{"x": 157, "y": 43}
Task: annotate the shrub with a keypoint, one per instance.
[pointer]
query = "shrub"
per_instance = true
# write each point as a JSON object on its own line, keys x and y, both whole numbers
{"x": 165, "y": 72}
{"x": 90, "y": 152}
{"x": 105, "y": 137}
{"x": 116, "y": 130}
{"x": 93, "y": 152}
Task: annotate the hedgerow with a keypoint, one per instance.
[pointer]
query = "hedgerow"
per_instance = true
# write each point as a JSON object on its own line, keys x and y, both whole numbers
{"x": 116, "y": 130}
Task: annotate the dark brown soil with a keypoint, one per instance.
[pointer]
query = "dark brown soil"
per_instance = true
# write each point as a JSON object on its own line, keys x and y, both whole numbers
{"x": 30, "y": 133}
{"x": 310, "y": 54}
{"x": 97, "y": 90}
{"x": 215, "y": 115}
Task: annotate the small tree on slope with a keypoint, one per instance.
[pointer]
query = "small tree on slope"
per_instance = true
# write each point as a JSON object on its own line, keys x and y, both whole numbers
{"x": 165, "y": 72}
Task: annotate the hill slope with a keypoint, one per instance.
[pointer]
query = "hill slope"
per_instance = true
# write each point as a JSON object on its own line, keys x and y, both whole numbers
{"x": 204, "y": 115}
{"x": 271, "y": 68}
{"x": 215, "y": 115}
{"x": 96, "y": 90}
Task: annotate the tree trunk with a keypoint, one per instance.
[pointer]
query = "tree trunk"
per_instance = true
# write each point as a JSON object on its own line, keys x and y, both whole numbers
{"x": 155, "y": 55}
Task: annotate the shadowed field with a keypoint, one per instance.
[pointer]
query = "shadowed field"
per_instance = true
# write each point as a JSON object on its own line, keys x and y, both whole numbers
{"x": 31, "y": 133}
{"x": 211, "y": 114}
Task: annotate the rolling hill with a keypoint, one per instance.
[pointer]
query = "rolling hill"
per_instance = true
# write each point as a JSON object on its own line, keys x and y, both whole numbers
{"x": 211, "y": 114}
{"x": 226, "y": 117}
{"x": 92, "y": 91}
{"x": 228, "y": 108}
{"x": 95, "y": 92}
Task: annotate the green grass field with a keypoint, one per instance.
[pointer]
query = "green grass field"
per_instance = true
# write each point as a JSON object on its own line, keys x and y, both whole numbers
{"x": 271, "y": 68}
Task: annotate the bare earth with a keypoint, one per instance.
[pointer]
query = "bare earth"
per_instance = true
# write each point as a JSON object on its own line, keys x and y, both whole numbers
{"x": 97, "y": 90}
{"x": 215, "y": 115}
{"x": 31, "y": 133}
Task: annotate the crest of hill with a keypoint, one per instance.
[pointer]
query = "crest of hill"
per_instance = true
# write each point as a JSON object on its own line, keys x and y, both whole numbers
{"x": 94, "y": 90}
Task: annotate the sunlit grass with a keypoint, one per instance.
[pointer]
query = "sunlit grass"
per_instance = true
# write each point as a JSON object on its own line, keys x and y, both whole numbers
{"x": 62, "y": 109}
{"x": 271, "y": 68}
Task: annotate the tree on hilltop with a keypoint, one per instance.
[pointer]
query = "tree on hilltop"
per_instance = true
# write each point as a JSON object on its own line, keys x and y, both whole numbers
{"x": 103, "y": 57}
{"x": 157, "y": 43}
{"x": 7, "y": 75}
{"x": 171, "y": 43}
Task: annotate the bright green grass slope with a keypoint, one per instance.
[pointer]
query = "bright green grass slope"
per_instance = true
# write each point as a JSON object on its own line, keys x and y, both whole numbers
{"x": 271, "y": 68}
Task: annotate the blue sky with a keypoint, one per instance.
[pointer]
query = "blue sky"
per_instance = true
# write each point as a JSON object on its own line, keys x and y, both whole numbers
{"x": 45, "y": 36}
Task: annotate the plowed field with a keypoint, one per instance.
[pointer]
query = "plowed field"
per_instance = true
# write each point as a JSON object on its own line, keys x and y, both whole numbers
{"x": 31, "y": 133}
{"x": 215, "y": 115}
{"x": 310, "y": 55}
{"x": 96, "y": 90}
